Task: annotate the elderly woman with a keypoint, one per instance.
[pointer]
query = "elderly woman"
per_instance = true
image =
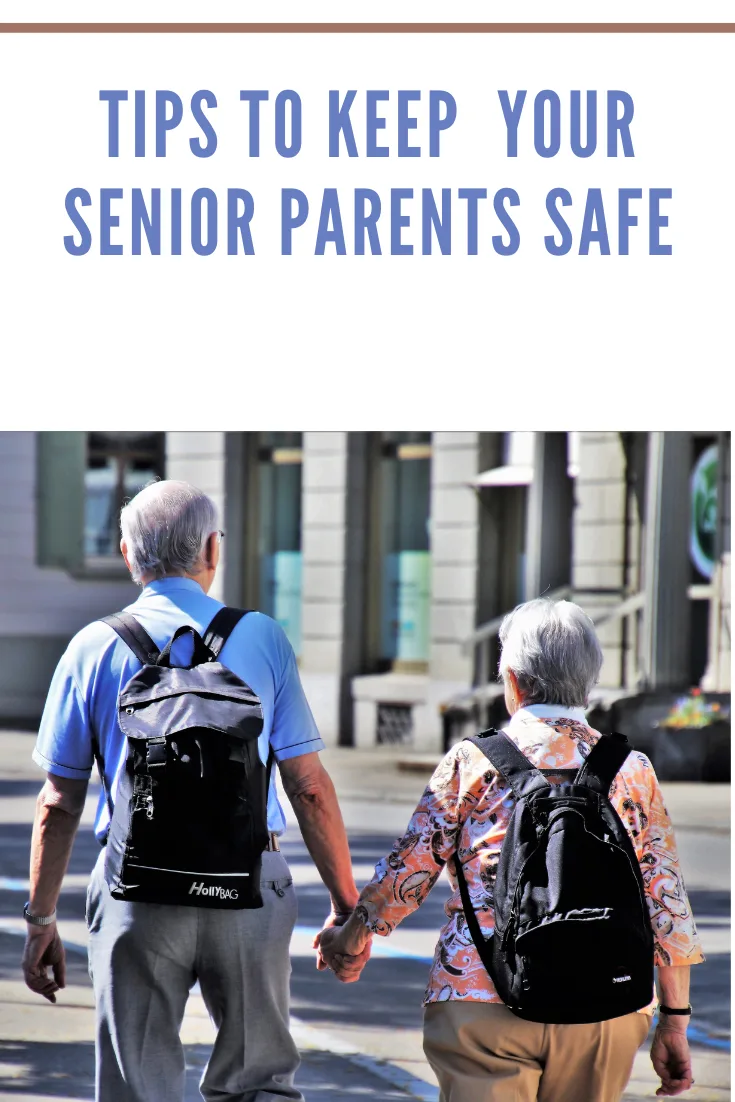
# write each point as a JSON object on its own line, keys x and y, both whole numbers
{"x": 479, "y": 1050}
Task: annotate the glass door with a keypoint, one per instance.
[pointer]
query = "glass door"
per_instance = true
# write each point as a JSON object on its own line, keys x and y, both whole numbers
{"x": 404, "y": 555}
{"x": 279, "y": 542}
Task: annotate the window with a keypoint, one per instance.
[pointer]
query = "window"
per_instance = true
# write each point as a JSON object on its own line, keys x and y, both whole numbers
{"x": 404, "y": 556}
{"x": 82, "y": 482}
{"x": 118, "y": 465}
{"x": 395, "y": 724}
{"x": 279, "y": 534}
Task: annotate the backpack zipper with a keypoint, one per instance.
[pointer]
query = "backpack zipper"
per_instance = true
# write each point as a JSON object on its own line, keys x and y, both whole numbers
{"x": 510, "y": 923}
{"x": 514, "y": 913}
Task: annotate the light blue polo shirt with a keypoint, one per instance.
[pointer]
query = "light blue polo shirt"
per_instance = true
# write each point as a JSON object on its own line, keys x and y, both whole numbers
{"x": 82, "y": 699}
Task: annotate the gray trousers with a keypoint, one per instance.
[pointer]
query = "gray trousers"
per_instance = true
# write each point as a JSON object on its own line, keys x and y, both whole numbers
{"x": 144, "y": 958}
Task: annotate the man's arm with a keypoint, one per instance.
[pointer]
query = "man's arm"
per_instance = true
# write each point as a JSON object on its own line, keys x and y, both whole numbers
{"x": 314, "y": 800}
{"x": 58, "y": 811}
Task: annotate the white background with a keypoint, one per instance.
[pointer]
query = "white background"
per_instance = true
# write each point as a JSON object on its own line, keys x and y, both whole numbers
{"x": 401, "y": 341}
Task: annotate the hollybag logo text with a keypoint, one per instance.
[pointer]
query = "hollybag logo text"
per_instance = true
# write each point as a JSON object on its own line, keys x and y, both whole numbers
{"x": 213, "y": 889}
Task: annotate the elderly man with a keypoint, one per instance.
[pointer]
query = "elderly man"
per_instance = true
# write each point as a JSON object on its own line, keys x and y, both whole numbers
{"x": 145, "y": 957}
{"x": 479, "y": 1049}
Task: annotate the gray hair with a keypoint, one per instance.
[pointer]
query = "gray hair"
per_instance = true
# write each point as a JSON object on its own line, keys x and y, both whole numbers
{"x": 553, "y": 649}
{"x": 166, "y": 527}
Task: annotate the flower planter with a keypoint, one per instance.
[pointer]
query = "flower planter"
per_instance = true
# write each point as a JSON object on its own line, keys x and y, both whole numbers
{"x": 692, "y": 753}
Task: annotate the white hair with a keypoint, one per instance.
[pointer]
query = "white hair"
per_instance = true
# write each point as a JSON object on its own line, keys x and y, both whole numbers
{"x": 553, "y": 649}
{"x": 166, "y": 527}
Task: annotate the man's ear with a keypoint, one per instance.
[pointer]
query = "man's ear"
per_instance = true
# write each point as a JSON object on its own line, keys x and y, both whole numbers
{"x": 211, "y": 551}
{"x": 124, "y": 552}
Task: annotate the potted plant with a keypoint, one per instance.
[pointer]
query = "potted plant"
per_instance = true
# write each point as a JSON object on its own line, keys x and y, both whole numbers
{"x": 692, "y": 743}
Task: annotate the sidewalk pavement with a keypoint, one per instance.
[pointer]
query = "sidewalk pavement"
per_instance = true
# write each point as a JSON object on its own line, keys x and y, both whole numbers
{"x": 45, "y": 1050}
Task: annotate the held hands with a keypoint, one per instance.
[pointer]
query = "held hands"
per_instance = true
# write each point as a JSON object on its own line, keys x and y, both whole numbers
{"x": 344, "y": 946}
{"x": 671, "y": 1060}
{"x": 44, "y": 949}
{"x": 334, "y": 919}
{"x": 347, "y": 967}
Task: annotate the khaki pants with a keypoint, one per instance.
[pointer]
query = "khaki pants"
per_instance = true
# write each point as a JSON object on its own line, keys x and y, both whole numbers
{"x": 481, "y": 1052}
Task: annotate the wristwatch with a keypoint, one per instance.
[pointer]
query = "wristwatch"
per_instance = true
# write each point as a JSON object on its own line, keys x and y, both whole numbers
{"x": 673, "y": 1010}
{"x": 38, "y": 920}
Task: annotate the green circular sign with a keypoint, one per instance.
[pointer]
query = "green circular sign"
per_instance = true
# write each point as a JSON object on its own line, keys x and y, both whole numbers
{"x": 703, "y": 529}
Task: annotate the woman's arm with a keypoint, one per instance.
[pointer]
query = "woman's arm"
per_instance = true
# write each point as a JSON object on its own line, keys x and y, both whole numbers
{"x": 405, "y": 877}
{"x": 676, "y": 943}
{"x": 670, "y": 1054}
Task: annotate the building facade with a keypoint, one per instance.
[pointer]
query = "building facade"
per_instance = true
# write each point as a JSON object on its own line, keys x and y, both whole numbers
{"x": 389, "y": 558}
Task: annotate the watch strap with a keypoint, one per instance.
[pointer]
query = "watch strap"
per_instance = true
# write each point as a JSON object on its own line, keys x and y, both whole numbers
{"x": 38, "y": 920}
{"x": 674, "y": 1010}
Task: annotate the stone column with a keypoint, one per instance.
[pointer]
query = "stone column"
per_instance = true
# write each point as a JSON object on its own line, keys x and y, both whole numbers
{"x": 455, "y": 461}
{"x": 334, "y": 542}
{"x": 323, "y": 549}
{"x": 666, "y": 569}
{"x": 600, "y": 532}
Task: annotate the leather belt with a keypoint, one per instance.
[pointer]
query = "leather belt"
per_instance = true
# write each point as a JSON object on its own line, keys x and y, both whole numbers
{"x": 273, "y": 846}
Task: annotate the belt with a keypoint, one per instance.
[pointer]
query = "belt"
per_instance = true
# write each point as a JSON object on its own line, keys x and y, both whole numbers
{"x": 273, "y": 846}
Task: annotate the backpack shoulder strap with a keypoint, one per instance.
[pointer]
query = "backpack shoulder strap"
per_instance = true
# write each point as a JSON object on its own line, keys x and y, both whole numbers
{"x": 134, "y": 636}
{"x": 101, "y": 770}
{"x": 523, "y": 777}
{"x": 222, "y": 626}
{"x": 603, "y": 762}
{"x": 481, "y": 943}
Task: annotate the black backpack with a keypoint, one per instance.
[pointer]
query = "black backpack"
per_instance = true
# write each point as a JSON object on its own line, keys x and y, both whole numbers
{"x": 572, "y": 939}
{"x": 189, "y": 824}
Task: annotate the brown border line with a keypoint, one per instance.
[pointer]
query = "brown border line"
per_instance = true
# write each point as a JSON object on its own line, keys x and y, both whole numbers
{"x": 367, "y": 28}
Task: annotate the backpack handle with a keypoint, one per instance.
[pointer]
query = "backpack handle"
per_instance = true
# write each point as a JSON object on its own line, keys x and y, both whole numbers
{"x": 202, "y": 653}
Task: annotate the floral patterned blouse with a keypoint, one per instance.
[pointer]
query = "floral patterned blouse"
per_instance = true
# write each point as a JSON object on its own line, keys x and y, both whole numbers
{"x": 466, "y": 808}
